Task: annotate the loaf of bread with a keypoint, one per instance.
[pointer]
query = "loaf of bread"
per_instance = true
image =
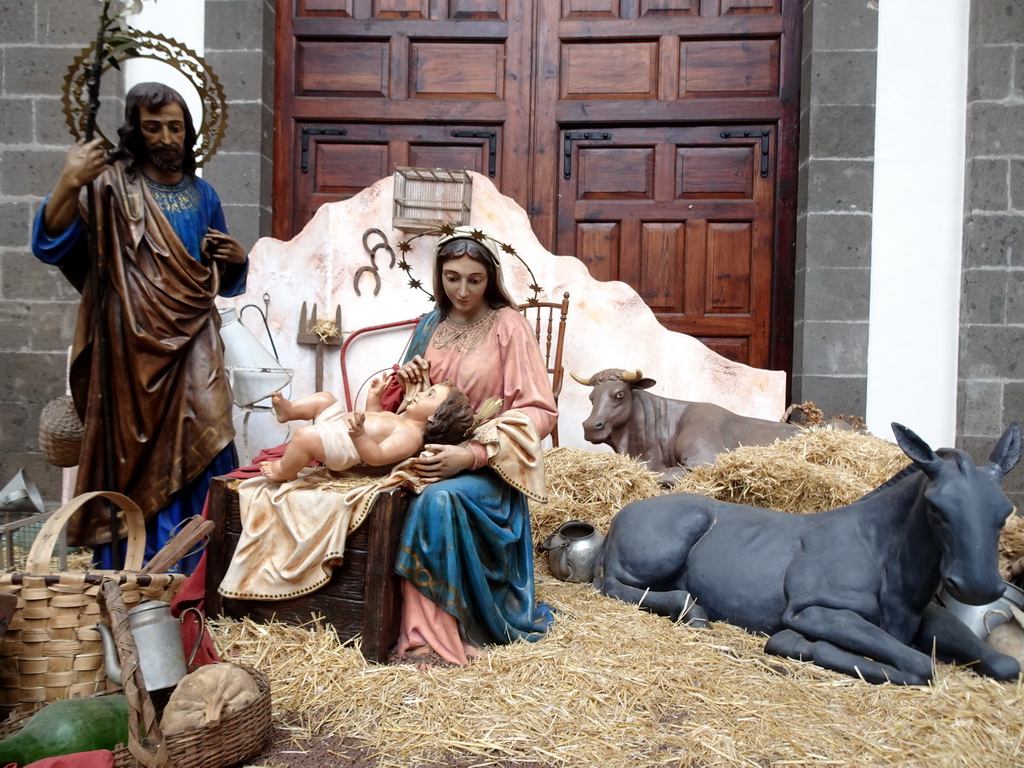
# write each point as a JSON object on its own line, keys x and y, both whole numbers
{"x": 208, "y": 694}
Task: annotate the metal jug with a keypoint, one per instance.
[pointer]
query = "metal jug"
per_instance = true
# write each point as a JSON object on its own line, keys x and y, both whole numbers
{"x": 572, "y": 551}
{"x": 158, "y": 641}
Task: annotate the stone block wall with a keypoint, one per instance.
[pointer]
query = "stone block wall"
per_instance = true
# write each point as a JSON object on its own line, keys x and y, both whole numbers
{"x": 837, "y": 116}
{"x": 991, "y": 364}
{"x": 39, "y": 39}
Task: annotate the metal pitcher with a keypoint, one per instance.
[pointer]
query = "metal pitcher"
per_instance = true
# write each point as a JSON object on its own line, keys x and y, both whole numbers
{"x": 572, "y": 551}
{"x": 158, "y": 641}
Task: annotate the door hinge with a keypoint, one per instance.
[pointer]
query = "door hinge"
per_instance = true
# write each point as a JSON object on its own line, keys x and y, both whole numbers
{"x": 492, "y": 146}
{"x": 755, "y": 134}
{"x": 570, "y": 137}
{"x": 307, "y": 132}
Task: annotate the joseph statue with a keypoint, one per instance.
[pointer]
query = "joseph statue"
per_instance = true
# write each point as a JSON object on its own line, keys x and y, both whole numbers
{"x": 165, "y": 256}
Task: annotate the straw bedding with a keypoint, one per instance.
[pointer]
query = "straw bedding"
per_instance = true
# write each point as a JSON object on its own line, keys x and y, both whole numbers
{"x": 613, "y": 686}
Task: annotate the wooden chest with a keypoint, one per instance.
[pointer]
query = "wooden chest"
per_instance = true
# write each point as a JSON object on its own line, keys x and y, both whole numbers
{"x": 363, "y": 596}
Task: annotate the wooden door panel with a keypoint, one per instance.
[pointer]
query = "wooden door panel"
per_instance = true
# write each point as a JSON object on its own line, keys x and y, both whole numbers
{"x": 714, "y": 173}
{"x": 615, "y": 173}
{"x": 401, "y": 9}
{"x": 456, "y": 70}
{"x": 585, "y": 73}
{"x": 342, "y": 69}
{"x": 477, "y": 9}
{"x": 326, "y": 7}
{"x": 679, "y": 213}
{"x": 729, "y": 68}
{"x": 670, "y": 8}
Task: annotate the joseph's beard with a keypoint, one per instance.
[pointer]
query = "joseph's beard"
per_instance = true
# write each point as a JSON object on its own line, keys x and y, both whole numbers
{"x": 168, "y": 160}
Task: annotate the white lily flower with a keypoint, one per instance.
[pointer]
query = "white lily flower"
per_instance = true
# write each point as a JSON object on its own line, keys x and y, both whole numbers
{"x": 125, "y": 7}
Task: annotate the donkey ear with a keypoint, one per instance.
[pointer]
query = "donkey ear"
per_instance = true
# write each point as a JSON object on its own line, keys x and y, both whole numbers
{"x": 1007, "y": 452}
{"x": 917, "y": 449}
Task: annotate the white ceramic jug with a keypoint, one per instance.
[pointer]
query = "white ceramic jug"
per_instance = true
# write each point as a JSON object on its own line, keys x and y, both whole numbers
{"x": 253, "y": 372}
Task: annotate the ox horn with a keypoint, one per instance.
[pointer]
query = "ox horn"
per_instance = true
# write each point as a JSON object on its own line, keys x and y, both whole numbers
{"x": 632, "y": 376}
{"x": 584, "y": 382}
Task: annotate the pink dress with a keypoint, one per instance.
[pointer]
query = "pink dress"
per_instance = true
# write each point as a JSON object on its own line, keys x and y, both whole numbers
{"x": 466, "y": 552}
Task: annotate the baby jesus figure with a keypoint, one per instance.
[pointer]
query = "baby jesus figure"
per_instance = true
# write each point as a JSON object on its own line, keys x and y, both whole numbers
{"x": 339, "y": 440}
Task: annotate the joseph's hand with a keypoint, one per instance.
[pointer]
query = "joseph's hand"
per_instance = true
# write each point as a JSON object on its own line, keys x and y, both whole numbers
{"x": 223, "y": 247}
{"x": 82, "y": 164}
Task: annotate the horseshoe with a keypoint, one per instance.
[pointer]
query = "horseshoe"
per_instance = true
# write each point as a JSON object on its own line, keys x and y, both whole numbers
{"x": 389, "y": 250}
{"x": 373, "y": 231}
{"x": 359, "y": 273}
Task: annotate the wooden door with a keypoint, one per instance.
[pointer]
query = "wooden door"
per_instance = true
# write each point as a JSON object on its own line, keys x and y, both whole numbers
{"x": 367, "y": 85}
{"x": 656, "y": 140}
{"x": 675, "y": 123}
{"x": 682, "y": 214}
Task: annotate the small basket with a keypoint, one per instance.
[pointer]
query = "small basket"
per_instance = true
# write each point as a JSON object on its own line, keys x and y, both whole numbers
{"x": 60, "y": 432}
{"x": 51, "y": 649}
{"x": 232, "y": 739}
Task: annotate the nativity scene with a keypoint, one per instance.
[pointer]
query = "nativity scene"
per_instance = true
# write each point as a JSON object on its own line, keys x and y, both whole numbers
{"x": 459, "y": 496}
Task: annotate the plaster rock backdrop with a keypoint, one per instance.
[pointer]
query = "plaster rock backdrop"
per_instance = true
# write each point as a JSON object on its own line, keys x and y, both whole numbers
{"x": 608, "y": 324}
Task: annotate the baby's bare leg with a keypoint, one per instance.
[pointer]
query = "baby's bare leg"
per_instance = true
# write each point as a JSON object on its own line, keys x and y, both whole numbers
{"x": 304, "y": 447}
{"x": 305, "y": 408}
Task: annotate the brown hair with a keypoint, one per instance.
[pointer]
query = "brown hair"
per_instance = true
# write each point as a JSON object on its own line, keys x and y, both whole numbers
{"x": 451, "y": 420}
{"x": 154, "y": 97}
{"x": 456, "y": 249}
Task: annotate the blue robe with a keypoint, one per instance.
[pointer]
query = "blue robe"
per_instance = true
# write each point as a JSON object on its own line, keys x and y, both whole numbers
{"x": 467, "y": 546}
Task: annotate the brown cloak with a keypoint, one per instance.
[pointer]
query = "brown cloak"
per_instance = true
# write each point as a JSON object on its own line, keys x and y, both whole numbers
{"x": 170, "y": 398}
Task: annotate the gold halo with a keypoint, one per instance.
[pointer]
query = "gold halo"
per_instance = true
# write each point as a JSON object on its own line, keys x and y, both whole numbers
{"x": 151, "y": 45}
{"x": 447, "y": 232}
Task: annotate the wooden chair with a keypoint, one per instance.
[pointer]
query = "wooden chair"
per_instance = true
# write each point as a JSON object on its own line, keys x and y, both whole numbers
{"x": 542, "y": 317}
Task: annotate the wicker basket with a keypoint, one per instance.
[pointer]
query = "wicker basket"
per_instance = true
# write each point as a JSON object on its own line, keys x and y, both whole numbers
{"x": 51, "y": 650}
{"x": 60, "y": 432}
{"x": 236, "y": 737}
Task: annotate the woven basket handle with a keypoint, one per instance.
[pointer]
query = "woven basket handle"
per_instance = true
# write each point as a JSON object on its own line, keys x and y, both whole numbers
{"x": 38, "y": 560}
{"x": 146, "y": 741}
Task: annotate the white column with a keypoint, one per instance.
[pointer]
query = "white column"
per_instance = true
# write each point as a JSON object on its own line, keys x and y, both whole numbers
{"x": 917, "y": 215}
{"x": 183, "y": 21}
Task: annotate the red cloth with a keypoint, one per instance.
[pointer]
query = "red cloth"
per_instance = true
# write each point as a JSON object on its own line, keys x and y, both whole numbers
{"x": 393, "y": 393}
{"x": 193, "y": 592}
{"x": 100, "y": 758}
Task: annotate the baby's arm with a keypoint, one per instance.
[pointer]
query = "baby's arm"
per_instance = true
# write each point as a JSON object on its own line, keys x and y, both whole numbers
{"x": 373, "y": 394}
{"x": 402, "y": 443}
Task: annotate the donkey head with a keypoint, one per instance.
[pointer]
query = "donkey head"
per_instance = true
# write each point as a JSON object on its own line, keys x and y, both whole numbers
{"x": 966, "y": 511}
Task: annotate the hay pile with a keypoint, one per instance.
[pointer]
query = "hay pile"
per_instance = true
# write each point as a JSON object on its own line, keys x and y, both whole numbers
{"x": 583, "y": 485}
{"x": 613, "y": 686}
{"x": 817, "y": 469}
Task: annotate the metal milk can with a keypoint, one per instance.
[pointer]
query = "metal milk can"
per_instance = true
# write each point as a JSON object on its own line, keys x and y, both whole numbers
{"x": 572, "y": 551}
{"x": 158, "y": 640}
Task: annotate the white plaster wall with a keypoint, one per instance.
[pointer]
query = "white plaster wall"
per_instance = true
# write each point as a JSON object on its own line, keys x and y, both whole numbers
{"x": 609, "y": 325}
{"x": 917, "y": 217}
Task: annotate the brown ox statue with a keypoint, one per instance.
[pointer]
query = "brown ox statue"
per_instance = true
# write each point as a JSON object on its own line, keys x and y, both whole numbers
{"x": 672, "y": 436}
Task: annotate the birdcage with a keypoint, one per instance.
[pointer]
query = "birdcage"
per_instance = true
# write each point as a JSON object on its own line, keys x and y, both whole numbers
{"x": 427, "y": 198}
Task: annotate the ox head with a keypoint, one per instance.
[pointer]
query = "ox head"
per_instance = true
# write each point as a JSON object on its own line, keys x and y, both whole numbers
{"x": 612, "y": 402}
{"x": 966, "y": 511}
